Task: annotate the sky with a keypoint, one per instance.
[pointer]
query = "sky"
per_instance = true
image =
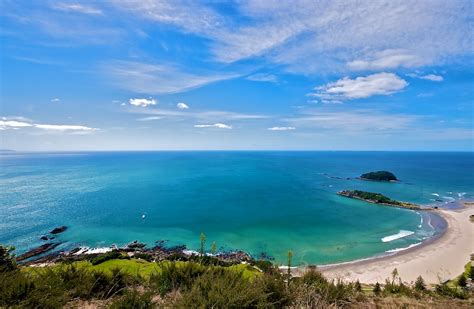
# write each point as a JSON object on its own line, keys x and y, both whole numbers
{"x": 236, "y": 75}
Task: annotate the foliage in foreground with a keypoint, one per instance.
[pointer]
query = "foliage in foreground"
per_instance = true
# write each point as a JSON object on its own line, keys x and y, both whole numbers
{"x": 191, "y": 284}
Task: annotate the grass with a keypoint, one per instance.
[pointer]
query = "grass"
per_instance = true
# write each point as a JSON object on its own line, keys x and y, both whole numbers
{"x": 138, "y": 268}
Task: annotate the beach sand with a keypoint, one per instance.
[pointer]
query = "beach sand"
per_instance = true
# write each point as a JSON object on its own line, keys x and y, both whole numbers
{"x": 441, "y": 259}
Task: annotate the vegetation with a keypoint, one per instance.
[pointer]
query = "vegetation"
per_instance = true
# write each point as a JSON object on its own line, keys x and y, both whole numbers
{"x": 138, "y": 283}
{"x": 377, "y": 198}
{"x": 379, "y": 176}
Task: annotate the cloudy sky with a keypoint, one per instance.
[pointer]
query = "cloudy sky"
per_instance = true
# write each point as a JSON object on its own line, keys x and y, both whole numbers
{"x": 170, "y": 75}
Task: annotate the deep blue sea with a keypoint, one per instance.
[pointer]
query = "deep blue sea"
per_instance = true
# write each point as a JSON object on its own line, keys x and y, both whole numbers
{"x": 260, "y": 202}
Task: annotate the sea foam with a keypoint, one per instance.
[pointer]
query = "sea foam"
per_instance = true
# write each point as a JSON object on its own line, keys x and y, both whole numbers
{"x": 401, "y": 234}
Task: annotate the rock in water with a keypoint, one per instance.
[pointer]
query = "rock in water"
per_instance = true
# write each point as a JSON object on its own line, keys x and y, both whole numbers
{"x": 37, "y": 251}
{"x": 58, "y": 230}
{"x": 379, "y": 176}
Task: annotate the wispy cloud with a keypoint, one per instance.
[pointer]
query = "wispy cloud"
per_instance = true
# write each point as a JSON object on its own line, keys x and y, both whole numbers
{"x": 216, "y": 125}
{"x": 359, "y": 88}
{"x": 353, "y": 122}
{"x": 55, "y": 100}
{"x": 77, "y": 8}
{"x": 388, "y": 59}
{"x": 431, "y": 77}
{"x": 158, "y": 78}
{"x": 262, "y": 77}
{"x": 142, "y": 102}
{"x": 281, "y": 128}
{"x": 149, "y": 118}
{"x": 200, "y": 115}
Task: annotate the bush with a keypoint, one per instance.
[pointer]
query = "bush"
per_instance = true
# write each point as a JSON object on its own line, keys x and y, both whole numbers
{"x": 105, "y": 257}
{"x": 265, "y": 266}
{"x": 462, "y": 281}
{"x": 274, "y": 288}
{"x": 445, "y": 290}
{"x": 174, "y": 276}
{"x": 14, "y": 288}
{"x": 221, "y": 288}
{"x": 133, "y": 299}
{"x": 329, "y": 292}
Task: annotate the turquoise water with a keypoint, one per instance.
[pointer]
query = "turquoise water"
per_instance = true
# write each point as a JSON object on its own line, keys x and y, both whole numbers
{"x": 260, "y": 202}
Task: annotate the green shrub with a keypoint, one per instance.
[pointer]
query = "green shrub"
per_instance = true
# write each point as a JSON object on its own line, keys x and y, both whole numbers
{"x": 49, "y": 291}
{"x": 133, "y": 299}
{"x": 144, "y": 256}
{"x": 328, "y": 292}
{"x": 265, "y": 266}
{"x": 445, "y": 290}
{"x": 14, "y": 288}
{"x": 462, "y": 281}
{"x": 220, "y": 288}
{"x": 274, "y": 288}
{"x": 174, "y": 276}
{"x": 96, "y": 260}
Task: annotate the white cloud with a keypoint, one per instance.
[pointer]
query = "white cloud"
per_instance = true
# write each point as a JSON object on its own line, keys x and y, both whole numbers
{"x": 216, "y": 125}
{"x": 149, "y": 118}
{"x": 142, "y": 102}
{"x": 182, "y": 106}
{"x": 55, "y": 127}
{"x": 55, "y": 100}
{"x": 261, "y": 77}
{"x": 78, "y": 8}
{"x": 360, "y": 87}
{"x": 14, "y": 124}
{"x": 281, "y": 128}
{"x": 158, "y": 78}
{"x": 431, "y": 77}
{"x": 6, "y": 124}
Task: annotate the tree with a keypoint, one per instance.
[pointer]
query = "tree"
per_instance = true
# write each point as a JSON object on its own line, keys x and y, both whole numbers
{"x": 7, "y": 260}
{"x": 420, "y": 284}
{"x": 394, "y": 275}
{"x": 462, "y": 282}
{"x": 290, "y": 257}
{"x": 213, "y": 248}
{"x": 377, "y": 290}
{"x": 357, "y": 287}
{"x": 202, "y": 239}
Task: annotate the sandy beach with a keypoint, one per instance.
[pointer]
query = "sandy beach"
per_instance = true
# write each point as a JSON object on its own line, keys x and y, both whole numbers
{"x": 440, "y": 259}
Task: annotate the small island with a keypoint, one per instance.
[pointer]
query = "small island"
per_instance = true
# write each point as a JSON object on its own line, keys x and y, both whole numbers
{"x": 377, "y": 198}
{"x": 379, "y": 176}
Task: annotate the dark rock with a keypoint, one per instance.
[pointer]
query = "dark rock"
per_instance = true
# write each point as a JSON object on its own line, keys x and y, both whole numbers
{"x": 37, "y": 251}
{"x": 58, "y": 230}
{"x": 135, "y": 245}
{"x": 46, "y": 237}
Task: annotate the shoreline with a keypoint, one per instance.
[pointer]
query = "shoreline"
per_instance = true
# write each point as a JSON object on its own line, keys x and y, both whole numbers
{"x": 436, "y": 259}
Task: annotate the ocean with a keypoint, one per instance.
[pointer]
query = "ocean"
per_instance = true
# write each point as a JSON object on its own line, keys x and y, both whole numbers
{"x": 264, "y": 203}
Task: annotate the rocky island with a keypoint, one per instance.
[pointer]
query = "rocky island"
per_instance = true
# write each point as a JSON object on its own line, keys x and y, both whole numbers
{"x": 379, "y": 176}
{"x": 377, "y": 198}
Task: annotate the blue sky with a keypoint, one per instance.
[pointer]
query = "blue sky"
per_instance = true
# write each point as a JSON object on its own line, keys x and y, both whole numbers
{"x": 172, "y": 75}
